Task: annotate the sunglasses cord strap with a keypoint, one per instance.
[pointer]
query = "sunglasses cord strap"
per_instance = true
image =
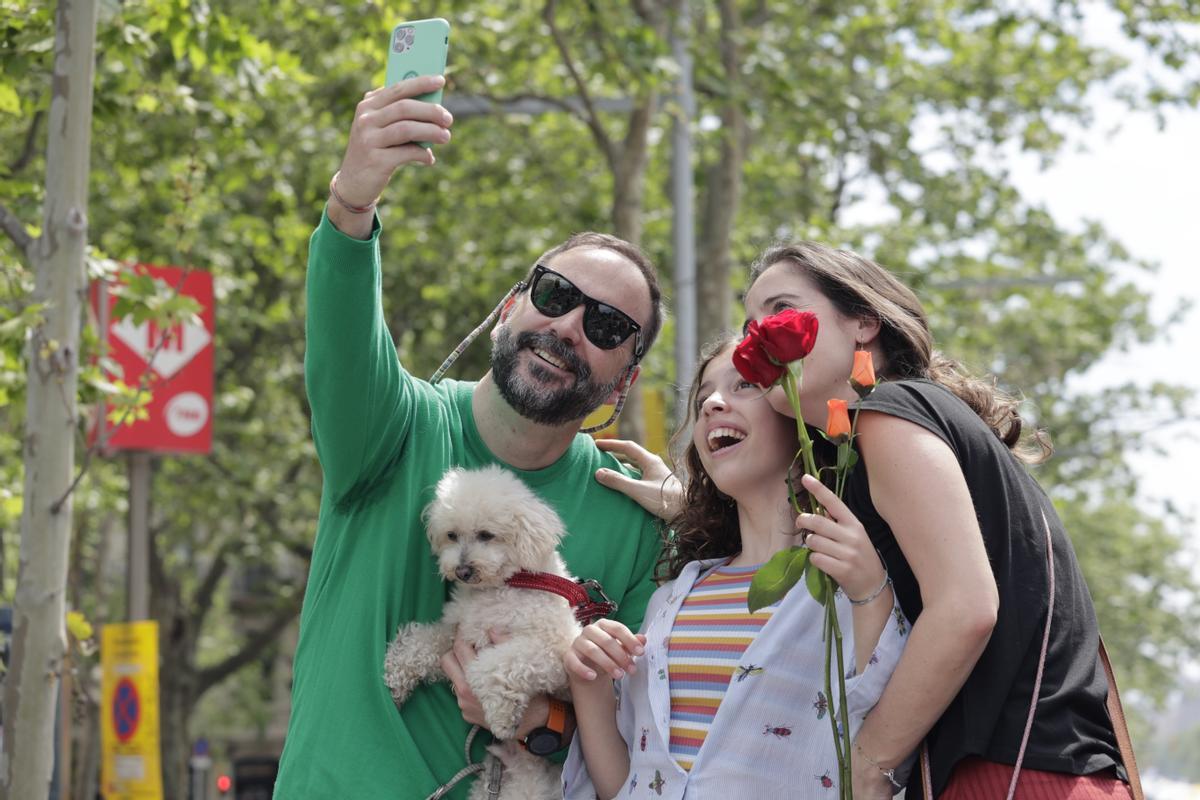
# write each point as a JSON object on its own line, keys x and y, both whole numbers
{"x": 465, "y": 343}
{"x": 616, "y": 409}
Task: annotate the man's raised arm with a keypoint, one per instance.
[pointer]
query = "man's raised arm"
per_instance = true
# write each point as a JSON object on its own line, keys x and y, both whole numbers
{"x": 356, "y": 387}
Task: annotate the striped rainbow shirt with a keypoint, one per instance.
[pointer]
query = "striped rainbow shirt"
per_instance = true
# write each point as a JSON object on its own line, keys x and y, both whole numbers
{"x": 711, "y": 632}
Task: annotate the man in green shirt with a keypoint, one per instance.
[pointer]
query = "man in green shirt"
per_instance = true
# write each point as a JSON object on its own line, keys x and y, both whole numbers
{"x": 568, "y": 340}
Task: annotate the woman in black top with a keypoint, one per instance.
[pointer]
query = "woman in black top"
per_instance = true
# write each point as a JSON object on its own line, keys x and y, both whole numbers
{"x": 963, "y": 529}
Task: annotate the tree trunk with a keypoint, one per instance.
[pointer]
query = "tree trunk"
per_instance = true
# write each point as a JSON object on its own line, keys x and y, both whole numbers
{"x": 177, "y": 701}
{"x": 39, "y": 608}
{"x": 629, "y": 192}
{"x": 723, "y": 185}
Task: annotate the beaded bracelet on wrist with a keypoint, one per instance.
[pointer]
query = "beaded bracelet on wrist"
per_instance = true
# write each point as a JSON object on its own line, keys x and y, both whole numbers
{"x": 367, "y": 209}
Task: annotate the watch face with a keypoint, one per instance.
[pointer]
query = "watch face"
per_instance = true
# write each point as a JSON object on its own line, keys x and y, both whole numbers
{"x": 543, "y": 741}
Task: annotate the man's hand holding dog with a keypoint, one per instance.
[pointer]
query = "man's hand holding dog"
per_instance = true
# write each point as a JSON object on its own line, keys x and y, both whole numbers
{"x": 454, "y": 663}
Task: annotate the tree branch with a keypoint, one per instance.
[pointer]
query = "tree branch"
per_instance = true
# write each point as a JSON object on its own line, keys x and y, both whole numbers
{"x": 591, "y": 117}
{"x": 759, "y": 16}
{"x": 300, "y": 550}
{"x": 15, "y": 229}
{"x": 255, "y": 644}
{"x": 650, "y": 13}
{"x": 29, "y": 148}
{"x": 839, "y": 189}
{"x": 202, "y": 598}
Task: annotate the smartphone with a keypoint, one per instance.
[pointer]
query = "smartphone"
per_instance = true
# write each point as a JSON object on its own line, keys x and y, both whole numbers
{"x": 418, "y": 48}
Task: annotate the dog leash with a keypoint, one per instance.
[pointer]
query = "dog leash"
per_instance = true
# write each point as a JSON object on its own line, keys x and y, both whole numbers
{"x": 495, "y": 773}
{"x": 576, "y": 592}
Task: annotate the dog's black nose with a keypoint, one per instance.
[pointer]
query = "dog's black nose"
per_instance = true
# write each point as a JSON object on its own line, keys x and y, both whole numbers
{"x": 464, "y": 573}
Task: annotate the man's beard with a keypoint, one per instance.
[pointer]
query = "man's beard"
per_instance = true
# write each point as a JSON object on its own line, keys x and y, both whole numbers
{"x": 543, "y": 405}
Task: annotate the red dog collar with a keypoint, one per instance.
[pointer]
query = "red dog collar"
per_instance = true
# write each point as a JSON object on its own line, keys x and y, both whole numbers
{"x": 577, "y": 593}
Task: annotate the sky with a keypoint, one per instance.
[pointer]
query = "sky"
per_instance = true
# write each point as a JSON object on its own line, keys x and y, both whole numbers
{"x": 1142, "y": 182}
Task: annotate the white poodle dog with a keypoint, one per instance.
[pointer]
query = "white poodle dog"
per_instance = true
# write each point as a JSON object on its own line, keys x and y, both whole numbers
{"x": 484, "y": 526}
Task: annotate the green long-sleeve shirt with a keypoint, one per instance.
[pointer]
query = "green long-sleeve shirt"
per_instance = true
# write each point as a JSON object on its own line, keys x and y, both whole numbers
{"x": 384, "y": 438}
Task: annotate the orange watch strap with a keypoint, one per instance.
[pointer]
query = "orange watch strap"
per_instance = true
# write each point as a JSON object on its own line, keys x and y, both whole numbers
{"x": 557, "y": 720}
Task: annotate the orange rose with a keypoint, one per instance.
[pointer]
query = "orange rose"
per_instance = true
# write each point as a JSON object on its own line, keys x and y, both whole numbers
{"x": 837, "y": 426}
{"x": 862, "y": 376}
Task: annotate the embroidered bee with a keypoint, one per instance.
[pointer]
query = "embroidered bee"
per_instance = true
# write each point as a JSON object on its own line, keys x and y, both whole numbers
{"x": 633, "y": 783}
{"x": 780, "y": 731}
{"x": 874, "y": 659}
{"x": 747, "y": 671}
{"x": 901, "y": 625}
{"x": 821, "y": 705}
{"x": 644, "y": 732}
{"x": 825, "y": 781}
{"x": 658, "y": 783}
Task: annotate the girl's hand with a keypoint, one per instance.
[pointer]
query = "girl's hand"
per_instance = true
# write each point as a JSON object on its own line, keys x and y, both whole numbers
{"x": 658, "y": 490}
{"x": 604, "y": 646}
{"x": 839, "y": 543}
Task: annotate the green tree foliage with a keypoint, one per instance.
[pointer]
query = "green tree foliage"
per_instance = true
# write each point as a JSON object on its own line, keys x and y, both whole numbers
{"x": 217, "y": 126}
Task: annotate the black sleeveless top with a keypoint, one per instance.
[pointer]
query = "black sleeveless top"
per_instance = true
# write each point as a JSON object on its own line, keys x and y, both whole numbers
{"x": 1071, "y": 732}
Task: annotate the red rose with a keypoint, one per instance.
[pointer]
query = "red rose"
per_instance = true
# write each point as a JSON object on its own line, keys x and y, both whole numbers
{"x": 752, "y": 362}
{"x": 789, "y": 335}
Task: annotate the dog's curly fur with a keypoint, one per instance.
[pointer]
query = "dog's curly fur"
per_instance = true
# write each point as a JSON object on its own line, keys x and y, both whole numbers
{"x": 485, "y": 525}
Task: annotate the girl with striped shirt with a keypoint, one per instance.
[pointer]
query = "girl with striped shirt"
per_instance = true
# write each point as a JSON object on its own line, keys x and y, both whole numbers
{"x": 709, "y": 700}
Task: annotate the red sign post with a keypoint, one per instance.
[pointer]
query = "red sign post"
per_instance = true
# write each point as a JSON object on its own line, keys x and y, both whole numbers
{"x": 175, "y": 365}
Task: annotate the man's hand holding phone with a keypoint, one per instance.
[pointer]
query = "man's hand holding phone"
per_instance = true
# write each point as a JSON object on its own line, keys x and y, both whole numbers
{"x": 388, "y": 124}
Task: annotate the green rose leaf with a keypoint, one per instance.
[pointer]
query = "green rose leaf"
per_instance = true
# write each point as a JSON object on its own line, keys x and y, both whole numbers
{"x": 775, "y": 577}
{"x": 816, "y": 583}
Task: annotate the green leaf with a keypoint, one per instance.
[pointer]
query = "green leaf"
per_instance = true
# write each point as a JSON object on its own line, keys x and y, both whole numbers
{"x": 9, "y": 102}
{"x": 816, "y": 583}
{"x": 776, "y": 577}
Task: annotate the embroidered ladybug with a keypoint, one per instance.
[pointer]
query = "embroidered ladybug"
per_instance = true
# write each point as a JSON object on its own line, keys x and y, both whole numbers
{"x": 644, "y": 732}
{"x": 821, "y": 705}
{"x": 658, "y": 783}
{"x": 747, "y": 671}
{"x": 780, "y": 731}
{"x": 825, "y": 780}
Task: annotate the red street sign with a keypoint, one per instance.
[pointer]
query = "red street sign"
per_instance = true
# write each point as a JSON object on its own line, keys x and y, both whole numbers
{"x": 179, "y": 364}
{"x": 126, "y": 710}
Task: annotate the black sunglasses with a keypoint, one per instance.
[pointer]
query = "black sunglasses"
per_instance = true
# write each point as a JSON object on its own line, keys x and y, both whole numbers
{"x": 604, "y": 326}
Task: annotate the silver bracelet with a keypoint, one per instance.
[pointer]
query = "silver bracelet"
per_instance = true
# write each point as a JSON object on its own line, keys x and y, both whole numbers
{"x": 887, "y": 580}
{"x": 887, "y": 772}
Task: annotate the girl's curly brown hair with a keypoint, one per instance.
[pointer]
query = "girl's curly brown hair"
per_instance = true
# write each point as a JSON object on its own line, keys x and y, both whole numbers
{"x": 707, "y": 527}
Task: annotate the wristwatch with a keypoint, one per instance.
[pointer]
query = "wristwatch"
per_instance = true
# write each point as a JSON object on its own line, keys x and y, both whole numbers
{"x": 549, "y": 738}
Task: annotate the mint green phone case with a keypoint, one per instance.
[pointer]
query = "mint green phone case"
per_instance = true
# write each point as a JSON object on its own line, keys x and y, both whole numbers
{"x": 418, "y": 48}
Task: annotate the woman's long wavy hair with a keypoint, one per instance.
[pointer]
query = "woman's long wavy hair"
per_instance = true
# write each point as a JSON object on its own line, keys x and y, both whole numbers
{"x": 860, "y": 288}
{"x": 707, "y": 527}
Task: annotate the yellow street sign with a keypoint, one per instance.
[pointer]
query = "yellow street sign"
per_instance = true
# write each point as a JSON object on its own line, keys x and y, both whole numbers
{"x": 129, "y": 734}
